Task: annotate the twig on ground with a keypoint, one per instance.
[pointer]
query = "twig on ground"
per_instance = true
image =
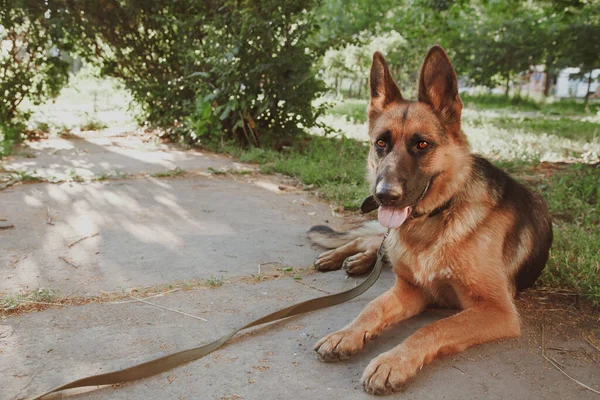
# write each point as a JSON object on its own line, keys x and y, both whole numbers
{"x": 169, "y": 309}
{"x": 3, "y": 220}
{"x": 561, "y": 349}
{"x": 592, "y": 344}
{"x": 30, "y": 379}
{"x": 312, "y": 287}
{"x": 149, "y": 297}
{"x": 557, "y": 363}
{"x": 554, "y": 364}
{"x": 68, "y": 261}
{"x": 82, "y": 239}
{"x": 6, "y": 227}
{"x": 49, "y": 216}
{"x": 588, "y": 355}
{"x": 455, "y": 367}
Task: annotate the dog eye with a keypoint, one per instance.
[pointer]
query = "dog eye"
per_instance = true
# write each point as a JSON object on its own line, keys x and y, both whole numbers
{"x": 381, "y": 143}
{"x": 422, "y": 145}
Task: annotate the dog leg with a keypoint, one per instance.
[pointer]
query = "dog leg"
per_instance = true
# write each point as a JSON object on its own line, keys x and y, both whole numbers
{"x": 333, "y": 259}
{"x": 400, "y": 302}
{"x": 389, "y": 371}
{"x": 360, "y": 263}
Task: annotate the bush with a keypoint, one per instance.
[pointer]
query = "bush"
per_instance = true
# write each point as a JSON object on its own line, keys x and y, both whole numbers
{"x": 33, "y": 36}
{"x": 261, "y": 75}
{"x": 210, "y": 70}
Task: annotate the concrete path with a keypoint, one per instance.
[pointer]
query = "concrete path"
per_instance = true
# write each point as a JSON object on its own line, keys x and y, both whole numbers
{"x": 99, "y": 154}
{"x": 185, "y": 234}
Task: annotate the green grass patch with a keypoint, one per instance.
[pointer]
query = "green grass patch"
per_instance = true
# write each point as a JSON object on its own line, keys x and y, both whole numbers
{"x": 499, "y": 102}
{"x": 214, "y": 282}
{"x": 93, "y": 124}
{"x": 170, "y": 173}
{"x": 12, "y": 301}
{"x": 561, "y": 107}
{"x": 573, "y": 196}
{"x": 74, "y": 176}
{"x": 335, "y": 167}
{"x": 24, "y": 176}
{"x": 563, "y": 127}
{"x": 352, "y": 109}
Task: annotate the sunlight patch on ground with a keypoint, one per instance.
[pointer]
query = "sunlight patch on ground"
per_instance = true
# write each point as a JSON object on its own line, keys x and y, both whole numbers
{"x": 87, "y": 102}
{"x": 503, "y": 144}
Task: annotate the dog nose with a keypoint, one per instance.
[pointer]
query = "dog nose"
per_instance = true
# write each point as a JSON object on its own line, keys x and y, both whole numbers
{"x": 386, "y": 194}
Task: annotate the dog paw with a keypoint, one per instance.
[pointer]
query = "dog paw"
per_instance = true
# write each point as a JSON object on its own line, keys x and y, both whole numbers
{"x": 360, "y": 264}
{"x": 388, "y": 373}
{"x": 341, "y": 345}
{"x": 328, "y": 261}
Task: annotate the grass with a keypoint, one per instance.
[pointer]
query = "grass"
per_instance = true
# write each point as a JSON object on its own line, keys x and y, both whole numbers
{"x": 74, "y": 176}
{"x": 214, "y": 282}
{"x": 353, "y": 110}
{"x": 561, "y": 107}
{"x": 93, "y": 124}
{"x": 531, "y": 137}
{"x": 13, "y": 301}
{"x": 101, "y": 177}
{"x": 22, "y": 176}
{"x": 170, "y": 173}
{"x": 335, "y": 167}
{"x": 562, "y": 127}
{"x": 573, "y": 196}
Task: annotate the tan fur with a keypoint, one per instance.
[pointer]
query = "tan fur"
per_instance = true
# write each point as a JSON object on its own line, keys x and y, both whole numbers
{"x": 452, "y": 259}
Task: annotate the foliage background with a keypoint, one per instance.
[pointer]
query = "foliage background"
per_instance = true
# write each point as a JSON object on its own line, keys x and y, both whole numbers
{"x": 208, "y": 71}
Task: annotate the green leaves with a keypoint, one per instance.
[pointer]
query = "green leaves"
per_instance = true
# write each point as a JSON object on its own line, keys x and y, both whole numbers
{"x": 259, "y": 60}
{"x": 32, "y": 65}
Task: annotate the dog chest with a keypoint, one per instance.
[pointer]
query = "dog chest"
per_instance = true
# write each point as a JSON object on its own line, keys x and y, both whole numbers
{"x": 426, "y": 267}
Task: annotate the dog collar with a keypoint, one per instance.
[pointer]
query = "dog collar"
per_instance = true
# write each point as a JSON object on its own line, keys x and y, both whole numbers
{"x": 436, "y": 211}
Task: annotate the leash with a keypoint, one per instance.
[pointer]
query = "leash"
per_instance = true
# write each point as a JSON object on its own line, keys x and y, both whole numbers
{"x": 166, "y": 363}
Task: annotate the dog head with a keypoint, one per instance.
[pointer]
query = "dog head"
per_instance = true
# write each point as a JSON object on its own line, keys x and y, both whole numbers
{"x": 418, "y": 150}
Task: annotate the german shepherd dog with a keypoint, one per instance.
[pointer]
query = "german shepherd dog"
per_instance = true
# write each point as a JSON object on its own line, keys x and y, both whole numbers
{"x": 462, "y": 233}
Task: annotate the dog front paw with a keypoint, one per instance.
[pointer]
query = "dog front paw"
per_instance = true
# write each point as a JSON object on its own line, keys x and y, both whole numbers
{"x": 389, "y": 372}
{"x": 360, "y": 263}
{"x": 341, "y": 345}
{"x": 328, "y": 261}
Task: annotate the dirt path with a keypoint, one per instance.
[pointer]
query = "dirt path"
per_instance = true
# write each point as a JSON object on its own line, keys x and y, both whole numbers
{"x": 188, "y": 233}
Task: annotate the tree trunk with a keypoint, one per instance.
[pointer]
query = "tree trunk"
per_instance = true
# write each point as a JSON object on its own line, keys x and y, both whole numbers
{"x": 547, "y": 83}
{"x": 506, "y": 92}
{"x": 360, "y": 86}
{"x": 587, "y": 93}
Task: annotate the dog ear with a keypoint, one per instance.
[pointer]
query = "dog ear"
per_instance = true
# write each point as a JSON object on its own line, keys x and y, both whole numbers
{"x": 438, "y": 87}
{"x": 383, "y": 88}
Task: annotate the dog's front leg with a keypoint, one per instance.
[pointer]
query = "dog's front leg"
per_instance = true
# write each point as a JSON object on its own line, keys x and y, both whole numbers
{"x": 400, "y": 302}
{"x": 357, "y": 256}
{"x": 389, "y": 371}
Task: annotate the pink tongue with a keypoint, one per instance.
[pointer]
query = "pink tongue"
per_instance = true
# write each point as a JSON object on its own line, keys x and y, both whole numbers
{"x": 392, "y": 217}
